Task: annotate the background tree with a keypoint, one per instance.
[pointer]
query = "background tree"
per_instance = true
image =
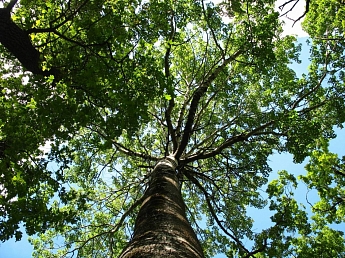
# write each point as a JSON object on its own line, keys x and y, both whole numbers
{"x": 135, "y": 82}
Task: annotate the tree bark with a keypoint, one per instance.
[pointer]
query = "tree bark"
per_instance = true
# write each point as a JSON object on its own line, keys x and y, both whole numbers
{"x": 161, "y": 227}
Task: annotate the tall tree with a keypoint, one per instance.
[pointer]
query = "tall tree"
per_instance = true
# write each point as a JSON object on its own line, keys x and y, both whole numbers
{"x": 160, "y": 117}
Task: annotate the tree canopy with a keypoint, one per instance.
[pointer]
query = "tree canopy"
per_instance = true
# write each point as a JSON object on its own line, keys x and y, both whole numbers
{"x": 115, "y": 86}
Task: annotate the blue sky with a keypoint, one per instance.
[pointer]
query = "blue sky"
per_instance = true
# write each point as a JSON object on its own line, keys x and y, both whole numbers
{"x": 13, "y": 249}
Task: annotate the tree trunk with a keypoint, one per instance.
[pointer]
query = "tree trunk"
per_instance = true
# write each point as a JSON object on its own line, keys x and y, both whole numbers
{"x": 161, "y": 227}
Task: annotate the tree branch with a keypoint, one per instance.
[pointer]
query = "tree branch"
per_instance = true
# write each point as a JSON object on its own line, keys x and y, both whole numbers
{"x": 11, "y": 4}
{"x": 198, "y": 116}
{"x": 281, "y": 7}
{"x": 212, "y": 31}
{"x": 116, "y": 227}
{"x": 207, "y": 139}
{"x": 160, "y": 121}
{"x": 235, "y": 139}
{"x": 18, "y": 43}
{"x": 131, "y": 153}
{"x": 171, "y": 105}
{"x": 66, "y": 19}
{"x": 317, "y": 86}
{"x": 122, "y": 148}
{"x": 182, "y": 112}
{"x": 307, "y": 5}
{"x": 53, "y": 30}
{"x": 212, "y": 211}
{"x": 171, "y": 130}
{"x": 199, "y": 92}
{"x": 167, "y": 53}
{"x": 260, "y": 249}
{"x": 338, "y": 172}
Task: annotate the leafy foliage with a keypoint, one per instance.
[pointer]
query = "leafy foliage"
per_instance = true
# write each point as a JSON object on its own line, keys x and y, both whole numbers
{"x": 139, "y": 80}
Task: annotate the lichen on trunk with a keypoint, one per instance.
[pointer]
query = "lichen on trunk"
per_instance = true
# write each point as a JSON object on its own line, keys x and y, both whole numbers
{"x": 161, "y": 227}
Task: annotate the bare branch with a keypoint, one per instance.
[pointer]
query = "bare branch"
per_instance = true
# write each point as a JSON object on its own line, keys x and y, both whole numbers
{"x": 160, "y": 121}
{"x": 212, "y": 31}
{"x": 226, "y": 144}
{"x": 202, "y": 110}
{"x": 11, "y": 4}
{"x": 208, "y": 199}
{"x": 68, "y": 18}
{"x": 281, "y": 7}
{"x": 182, "y": 111}
{"x": 131, "y": 153}
{"x": 295, "y": 104}
{"x": 307, "y": 5}
{"x": 207, "y": 139}
{"x": 116, "y": 227}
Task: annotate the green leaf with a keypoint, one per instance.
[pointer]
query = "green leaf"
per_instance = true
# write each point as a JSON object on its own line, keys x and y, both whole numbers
{"x": 31, "y": 104}
{"x": 167, "y": 97}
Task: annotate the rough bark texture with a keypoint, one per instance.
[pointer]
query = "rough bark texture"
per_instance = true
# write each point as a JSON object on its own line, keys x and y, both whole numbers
{"x": 161, "y": 228}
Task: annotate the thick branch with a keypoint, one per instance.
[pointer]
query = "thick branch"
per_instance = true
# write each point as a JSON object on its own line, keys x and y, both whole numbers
{"x": 199, "y": 115}
{"x": 307, "y": 110}
{"x": 259, "y": 250}
{"x": 195, "y": 102}
{"x": 18, "y": 42}
{"x": 11, "y": 4}
{"x": 171, "y": 131}
{"x": 338, "y": 172}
